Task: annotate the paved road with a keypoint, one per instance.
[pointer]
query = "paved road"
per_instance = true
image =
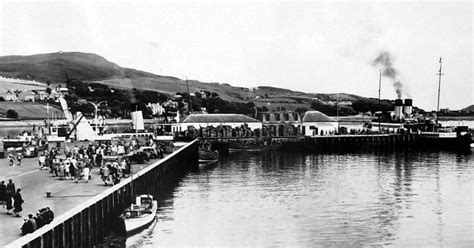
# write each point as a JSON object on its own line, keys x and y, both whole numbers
{"x": 34, "y": 183}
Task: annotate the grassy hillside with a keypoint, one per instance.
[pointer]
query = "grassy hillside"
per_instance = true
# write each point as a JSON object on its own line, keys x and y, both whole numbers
{"x": 468, "y": 109}
{"x": 29, "y": 110}
{"x": 14, "y": 85}
{"x": 54, "y": 66}
{"x": 94, "y": 68}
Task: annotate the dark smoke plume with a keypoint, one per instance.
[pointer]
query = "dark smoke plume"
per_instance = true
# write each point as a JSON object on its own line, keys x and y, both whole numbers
{"x": 385, "y": 59}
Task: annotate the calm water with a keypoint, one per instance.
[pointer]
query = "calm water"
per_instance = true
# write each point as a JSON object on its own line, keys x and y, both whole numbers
{"x": 284, "y": 199}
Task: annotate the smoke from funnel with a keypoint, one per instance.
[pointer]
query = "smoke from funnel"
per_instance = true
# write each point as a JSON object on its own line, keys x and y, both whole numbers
{"x": 385, "y": 59}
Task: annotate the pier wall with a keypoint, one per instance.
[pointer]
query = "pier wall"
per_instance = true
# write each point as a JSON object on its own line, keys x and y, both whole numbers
{"x": 327, "y": 142}
{"x": 88, "y": 224}
{"x": 351, "y": 142}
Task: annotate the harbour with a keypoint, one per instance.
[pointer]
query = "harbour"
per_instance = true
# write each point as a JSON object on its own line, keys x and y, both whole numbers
{"x": 250, "y": 124}
{"x": 367, "y": 198}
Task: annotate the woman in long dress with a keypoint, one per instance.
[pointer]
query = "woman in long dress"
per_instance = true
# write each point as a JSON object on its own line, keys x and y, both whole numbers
{"x": 18, "y": 201}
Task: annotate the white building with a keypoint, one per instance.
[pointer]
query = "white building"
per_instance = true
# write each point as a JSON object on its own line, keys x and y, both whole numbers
{"x": 8, "y": 96}
{"x": 317, "y": 123}
{"x": 27, "y": 96}
{"x": 215, "y": 120}
{"x": 156, "y": 108}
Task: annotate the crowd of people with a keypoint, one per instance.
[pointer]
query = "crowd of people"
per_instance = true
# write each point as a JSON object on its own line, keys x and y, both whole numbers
{"x": 32, "y": 223}
{"x": 77, "y": 163}
{"x": 74, "y": 163}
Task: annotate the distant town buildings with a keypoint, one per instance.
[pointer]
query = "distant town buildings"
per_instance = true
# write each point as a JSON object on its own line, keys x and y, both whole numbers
{"x": 32, "y": 95}
{"x": 8, "y": 95}
{"x": 26, "y": 96}
{"x": 156, "y": 108}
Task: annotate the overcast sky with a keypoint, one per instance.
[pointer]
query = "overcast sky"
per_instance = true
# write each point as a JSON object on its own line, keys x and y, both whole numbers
{"x": 319, "y": 47}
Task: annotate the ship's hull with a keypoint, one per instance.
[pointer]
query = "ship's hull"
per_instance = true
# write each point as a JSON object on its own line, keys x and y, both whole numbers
{"x": 133, "y": 225}
{"x": 207, "y": 155}
{"x": 446, "y": 141}
{"x": 240, "y": 147}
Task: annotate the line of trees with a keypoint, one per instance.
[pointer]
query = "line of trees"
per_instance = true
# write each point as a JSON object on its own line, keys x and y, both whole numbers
{"x": 120, "y": 100}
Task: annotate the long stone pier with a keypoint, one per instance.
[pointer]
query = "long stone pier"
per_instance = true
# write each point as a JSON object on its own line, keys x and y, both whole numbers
{"x": 89, "y": 222}
{"x": 326, "y": 142}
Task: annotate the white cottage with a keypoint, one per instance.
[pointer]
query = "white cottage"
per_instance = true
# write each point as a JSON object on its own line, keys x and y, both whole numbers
{"x": 215, "y": 120}
{"x": 317, "y": 123}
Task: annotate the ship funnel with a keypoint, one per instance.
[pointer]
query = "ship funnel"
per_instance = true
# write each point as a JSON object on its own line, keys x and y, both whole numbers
{"x": 408, "y": 107}
{"x": 398, "y": 108}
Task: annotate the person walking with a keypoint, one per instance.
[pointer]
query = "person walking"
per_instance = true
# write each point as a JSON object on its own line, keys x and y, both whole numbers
{"x": 86, "y": 173}
{"x": 42, "y": 160}
{"x": 18, "y": 201}
{"x": 3, "y": 192}
{"x": 19, "y": 157}
{"x": 10, "y": 191}
{"x": 11, "y": 158}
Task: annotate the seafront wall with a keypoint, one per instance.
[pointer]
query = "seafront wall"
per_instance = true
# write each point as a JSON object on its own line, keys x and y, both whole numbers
{"x": 327, "y": 142}
{"x": 348, "y": 142}
{"x": 88, "y": 224}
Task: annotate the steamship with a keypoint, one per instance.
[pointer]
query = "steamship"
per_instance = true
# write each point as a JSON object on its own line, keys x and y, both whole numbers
{"x": 434, "y": 135}
{"x": 431, "y": 134}
{"x": 452, "y": 138}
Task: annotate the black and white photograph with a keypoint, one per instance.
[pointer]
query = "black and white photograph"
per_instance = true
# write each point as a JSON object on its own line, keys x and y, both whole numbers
{"x": 205, "y": 123}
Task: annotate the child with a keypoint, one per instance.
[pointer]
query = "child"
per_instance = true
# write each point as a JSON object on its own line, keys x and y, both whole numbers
{"x": 19, "y": 157}
{"x": 42, "y": 161}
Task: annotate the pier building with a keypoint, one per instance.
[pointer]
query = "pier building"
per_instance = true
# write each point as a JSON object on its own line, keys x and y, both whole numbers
{"x": 317, "y": 123}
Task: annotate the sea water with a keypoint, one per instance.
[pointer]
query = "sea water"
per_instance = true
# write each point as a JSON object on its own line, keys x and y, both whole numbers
{"x": 292, "y": 199}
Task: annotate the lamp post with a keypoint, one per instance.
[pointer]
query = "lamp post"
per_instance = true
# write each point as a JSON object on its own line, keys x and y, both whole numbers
{"x": 96, "y": 107}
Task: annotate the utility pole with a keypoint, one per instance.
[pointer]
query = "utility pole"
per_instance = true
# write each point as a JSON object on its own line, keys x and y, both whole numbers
{"x": 439, "y": 82}
{"x": 136, "y": 120}
{"x": 189, "y": 101}
{"x": 337, "y": 111}
{"x": 380, "y": 85}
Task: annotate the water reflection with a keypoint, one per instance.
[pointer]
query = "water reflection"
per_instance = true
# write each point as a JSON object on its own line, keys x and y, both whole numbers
{"x": 286, "y": 199}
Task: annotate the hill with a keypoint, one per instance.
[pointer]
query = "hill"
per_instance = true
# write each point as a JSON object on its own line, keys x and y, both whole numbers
{"x": 92, "y": 68}
{"x": 469, "y": 109}
{"x": 54, "y": 66}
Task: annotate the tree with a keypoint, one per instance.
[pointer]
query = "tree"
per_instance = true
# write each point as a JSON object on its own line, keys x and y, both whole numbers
{"x": 323, "y": 108}
{"x": 301, "y": 110}
{"x": 2, "y": 99}
{"x": 262, "y": 109}
{"x": 12, "y": 114}
{"x": 82, "y": 90}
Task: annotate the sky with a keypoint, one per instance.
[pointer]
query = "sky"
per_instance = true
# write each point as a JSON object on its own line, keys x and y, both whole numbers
{"x": 309, "y": 46}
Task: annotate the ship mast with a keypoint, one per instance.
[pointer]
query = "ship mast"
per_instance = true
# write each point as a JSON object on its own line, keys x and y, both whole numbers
{"x": 190, "y": 103}
{"x": 380, "y": 107}
{"x": 439, "y": 81}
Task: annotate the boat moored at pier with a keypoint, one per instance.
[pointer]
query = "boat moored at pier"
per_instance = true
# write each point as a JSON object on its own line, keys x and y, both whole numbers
{"x": 139, "y": 214}
{"x": 455, "y": 138}
{"x": 236, "y": 146}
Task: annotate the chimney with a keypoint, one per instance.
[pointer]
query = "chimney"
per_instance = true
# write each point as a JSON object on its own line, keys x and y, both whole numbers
{"x": 398, "y": 107}
{"x": 408, "y": 107}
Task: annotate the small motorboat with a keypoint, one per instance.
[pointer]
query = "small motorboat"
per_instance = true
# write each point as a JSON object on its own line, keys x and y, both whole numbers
{"x": 139, "y": 214}
{"x": 206, "y": 155}
{"x": 252, "y": 147}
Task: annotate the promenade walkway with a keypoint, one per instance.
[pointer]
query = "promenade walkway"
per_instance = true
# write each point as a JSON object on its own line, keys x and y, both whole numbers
{"x": 34, "y": 184}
